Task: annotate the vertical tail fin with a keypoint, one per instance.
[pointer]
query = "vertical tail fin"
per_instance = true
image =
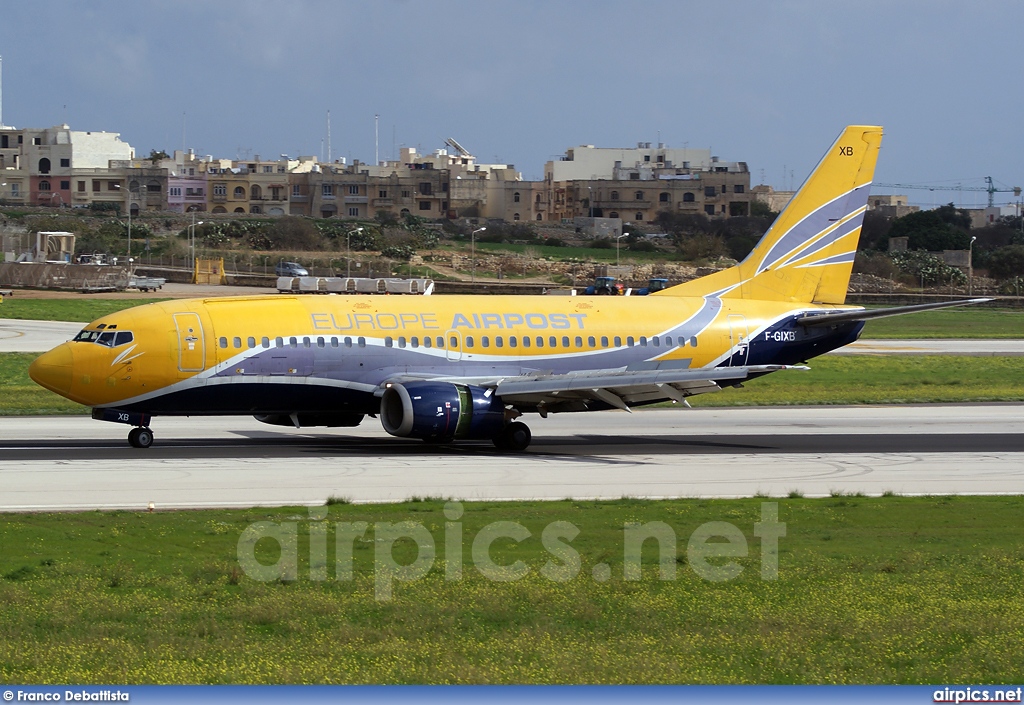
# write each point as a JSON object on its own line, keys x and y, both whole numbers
{"x": 807, "y": 254}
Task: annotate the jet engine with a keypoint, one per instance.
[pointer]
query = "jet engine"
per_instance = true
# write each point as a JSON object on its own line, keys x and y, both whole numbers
{"x": 441, "y": 411}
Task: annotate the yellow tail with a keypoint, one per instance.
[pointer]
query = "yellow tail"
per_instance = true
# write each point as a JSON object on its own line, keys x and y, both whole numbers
{"x": 807, "y": 254}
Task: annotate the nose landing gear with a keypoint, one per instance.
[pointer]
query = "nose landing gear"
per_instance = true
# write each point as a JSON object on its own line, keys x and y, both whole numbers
{"x": 140, "y": 437}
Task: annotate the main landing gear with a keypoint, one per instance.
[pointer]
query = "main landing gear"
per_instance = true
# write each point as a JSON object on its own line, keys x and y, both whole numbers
{"x": 140, "y": 437}
{"x": 514, "y": 437}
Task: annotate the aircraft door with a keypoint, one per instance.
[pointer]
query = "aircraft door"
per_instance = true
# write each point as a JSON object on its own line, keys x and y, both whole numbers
{"x": 453, "y": 345}
{"x": 191, "y": 342}
{"x": 739, "y": 340}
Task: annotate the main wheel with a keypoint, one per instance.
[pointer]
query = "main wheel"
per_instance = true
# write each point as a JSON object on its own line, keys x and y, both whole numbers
{"x": 515, "y": 437}
{"x": 140, "y": 437}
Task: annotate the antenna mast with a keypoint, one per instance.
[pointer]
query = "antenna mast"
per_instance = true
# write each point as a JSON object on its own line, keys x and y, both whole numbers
{"x": 376, "y": 140}
{"x": 328, "y": 136}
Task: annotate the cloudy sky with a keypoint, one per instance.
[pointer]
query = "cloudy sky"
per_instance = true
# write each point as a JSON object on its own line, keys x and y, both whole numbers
{"x": 768, "y": 83}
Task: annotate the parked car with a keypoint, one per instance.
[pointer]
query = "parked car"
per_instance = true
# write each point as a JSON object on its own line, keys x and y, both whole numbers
{"x": 290, "y": 269}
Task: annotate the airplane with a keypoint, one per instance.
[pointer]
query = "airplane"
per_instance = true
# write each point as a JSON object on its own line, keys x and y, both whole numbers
{"x": 446, "y": 369}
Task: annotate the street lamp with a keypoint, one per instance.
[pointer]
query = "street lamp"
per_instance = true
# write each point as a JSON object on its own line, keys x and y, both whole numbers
{"x": 348, "y": 245}
{"x": 970, "y": 267}
{"x": 472, "y": 245}
{"x": 617, "y": 238}
{"x": 192, "y": 239}
{"x": 590, "y": 200}
{"x": 129, "y": 219}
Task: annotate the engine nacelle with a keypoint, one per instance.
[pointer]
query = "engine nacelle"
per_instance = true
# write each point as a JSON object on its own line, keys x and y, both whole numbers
{"x": 303, "y": 419}
{"x": 441, "y": 411}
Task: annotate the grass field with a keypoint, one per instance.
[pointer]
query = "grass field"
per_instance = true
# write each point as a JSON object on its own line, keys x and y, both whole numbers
{"x": 869, "y": 590}
{"x": 965, "y": 322}
{"x": 79, "y": 309}
{"x": 584, "y": 254}
{"x": 882, "y": 379}
{"x": 854, "y": 379}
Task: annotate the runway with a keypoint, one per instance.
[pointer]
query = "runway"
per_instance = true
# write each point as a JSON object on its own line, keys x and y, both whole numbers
{"x": 35, "y": 336}
{"x": 76, "y": 463}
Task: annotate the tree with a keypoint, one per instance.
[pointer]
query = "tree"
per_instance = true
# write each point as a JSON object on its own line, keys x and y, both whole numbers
{"x": 156, "y": 155}
{"x": 874, "y": 233}
{"x": 1006, "y": 262}
{"x": 940, "y": 229}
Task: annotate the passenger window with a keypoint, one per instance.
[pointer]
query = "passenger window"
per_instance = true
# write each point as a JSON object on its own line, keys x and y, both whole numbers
{"x": 499, "y": 341}
{"x": 320, "y": 342}
{"x": 294, "y": 342}
{"x": 512, "y": 342}
{"x": 454, "y": 342}
{"x": 485, "y": 342}
{"x": 279, "y": 342}
{"x": 123, "y": 338}
{"x": 591, "y": 342}
{"x": 237, "y": 342}
{"x": 668, "y": 341}
{"x": 604, "y": 341}
{"x": 334, "y": 342}
{"x": 251, "y": 342}
{"x": 565, "y": 341}
{"x": 630, "y": 342}
{"x": 552, "y": 342}
{"x": 656, "y": 340}
{"x": 348, "y": 341}
{"x": 401, "y": 341}
{"x": 427, "y": 341}
{"x": 618, "y": 342}
{"x": 469, "y": 341}
{"x": 440, "y": 341}
{"x": 693, "y": 341}
{"x": 361, "y": 342}
{"x": 389, "y": 342}
{"x": 415, "y": 342}
{"x": 305, "y": 342}
{"x": 526, "y": 341}
{"x": 643, "y": 341}
{"x": 223, "y": 341}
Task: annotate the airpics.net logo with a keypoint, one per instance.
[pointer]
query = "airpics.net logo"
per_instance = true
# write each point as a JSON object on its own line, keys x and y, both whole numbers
{"x": 711, "y": 549}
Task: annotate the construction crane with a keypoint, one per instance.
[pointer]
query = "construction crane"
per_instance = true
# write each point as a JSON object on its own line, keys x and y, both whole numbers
{"x": 989, "y": 188}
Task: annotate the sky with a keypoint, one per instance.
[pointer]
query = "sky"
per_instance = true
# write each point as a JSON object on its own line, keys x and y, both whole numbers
{"x": 770, "y": 83}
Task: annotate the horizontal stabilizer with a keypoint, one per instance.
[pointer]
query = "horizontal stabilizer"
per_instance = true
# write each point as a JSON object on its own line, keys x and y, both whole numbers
{"x": 827, "y": 319}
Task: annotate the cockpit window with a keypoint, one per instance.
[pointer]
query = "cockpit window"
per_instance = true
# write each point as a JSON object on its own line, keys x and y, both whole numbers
{"x": 109, "y": 338}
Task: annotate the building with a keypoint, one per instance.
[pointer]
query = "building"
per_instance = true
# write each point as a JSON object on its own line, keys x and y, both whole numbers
{"x": 891, "y": 205}
{"x": 590, "y": 163}
{"x": 637, "y": 184}
{"x": 58, "y": 166}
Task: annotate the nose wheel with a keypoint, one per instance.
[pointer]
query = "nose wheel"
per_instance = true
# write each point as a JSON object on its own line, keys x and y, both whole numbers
{"x": 140, "y": 437}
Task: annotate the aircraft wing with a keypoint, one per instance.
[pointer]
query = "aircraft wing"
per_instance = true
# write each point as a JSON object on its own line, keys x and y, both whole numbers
{"x": 621, "y": 388}
{"x": 826, "y": 319}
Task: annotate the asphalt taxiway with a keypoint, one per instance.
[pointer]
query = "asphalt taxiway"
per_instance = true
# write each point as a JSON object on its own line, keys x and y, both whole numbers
{"x": 76, "y": 463}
